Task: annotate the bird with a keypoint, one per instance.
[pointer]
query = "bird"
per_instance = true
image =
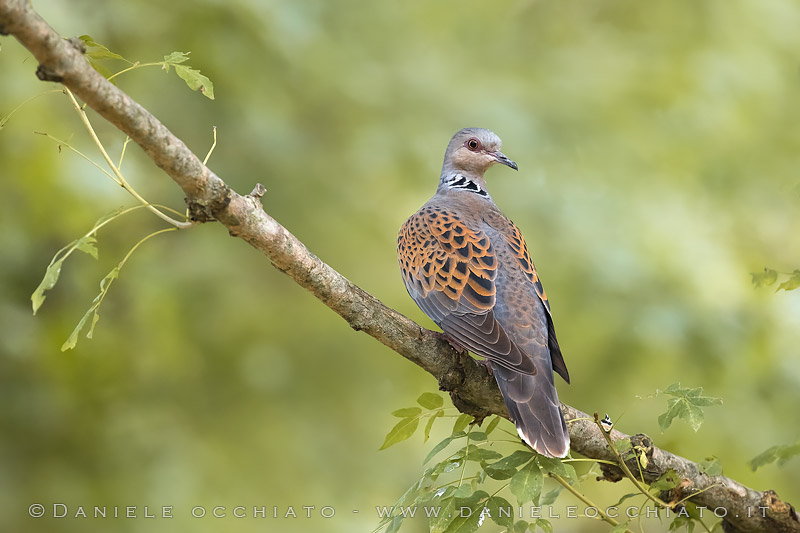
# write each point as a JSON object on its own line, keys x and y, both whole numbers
{"x": 467, "y": 266}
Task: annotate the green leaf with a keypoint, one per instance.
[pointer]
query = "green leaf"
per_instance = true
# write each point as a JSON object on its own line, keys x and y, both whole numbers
{"x": 195, "y": 80}
{"x": 464, "y": 491}
{"x": 72, "y": 340}
{"x": 175, "y": 58}
{"x": 711, "y": 467}
{"x": 492, "y": 425}
{"x": 102, "y": 70}
{"x": 468, "y": 513}
{"x": 436, "y": 499}
{"x": 551, "y": 497}
{"x": 619, "y": 528}
{"x": 478, "y": 436}
{"x": 521, "y": 526}
{"x": 781, "y": 454}
{"x": 476, "y": 453}
{"x": 410, "y": 495}
{"x": 473, "y": 499}
{"x": 506, "y": 467}
{"x": 447, "y": 513}
{"x": 790, "y": 284}
{"x": 103, "y": 53}
{"x": 443, "y": 444}
{"x": 86, "y": 244}
{"x": 518, "y": 458}
{"x": 448, "y": 465}
{"x": 462, "y": 422}
{"x": 543, "y": 524}
{"x": 429, "y": 425}
{"x": 641, "y": 456}
{"x": 766, "y": 278}
{"x": 48, "y": 282}
{"x": 400, "y": 432}
{"x": 668, "y": 481}
{"x": 500, "y": 511}
{"x": 527, "y": 484}
{"x": 95, "y": 50}
{"x": 407, "y": 412}
{"x": 92, "y": 312}
{"x": 106, "y": 281}
{"x": 623, "y": 445}
{"x": 449, "y": 492}
{"x": 394, "y": 524}
{"x": 686, "y": 404}
{"x": 555, "y": 466}
{"x": 464, "y": 524}
{"x": 430, "y": 400}
{"x": 498, "y": 473}
{"x": 625, "y": 497}
{"x": 764, "y": 458}
{"x": 192, "y": 77}
{"x": 682, "y": 521}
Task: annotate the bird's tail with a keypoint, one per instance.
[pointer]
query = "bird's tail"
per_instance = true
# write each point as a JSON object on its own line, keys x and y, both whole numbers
{"x": 532, "y": 402}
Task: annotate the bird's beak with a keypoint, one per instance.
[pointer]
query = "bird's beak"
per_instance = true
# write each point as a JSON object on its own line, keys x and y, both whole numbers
{"x": 501, "y": 158}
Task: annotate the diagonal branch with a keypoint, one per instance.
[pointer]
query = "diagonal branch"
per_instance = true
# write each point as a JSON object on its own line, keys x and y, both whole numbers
{"x": 471, "y": 388}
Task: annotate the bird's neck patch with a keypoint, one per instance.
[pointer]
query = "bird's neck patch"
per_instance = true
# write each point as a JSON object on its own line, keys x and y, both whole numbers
{"x": 461, "y": 182}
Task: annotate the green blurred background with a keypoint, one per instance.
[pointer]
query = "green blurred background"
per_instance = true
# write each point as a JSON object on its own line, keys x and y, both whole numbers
{"x": 658, "y": 147}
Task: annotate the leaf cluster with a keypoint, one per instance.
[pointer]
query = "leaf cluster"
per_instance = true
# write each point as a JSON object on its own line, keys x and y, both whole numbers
{"x": 462, "y": 504}
{"x": 770, "y": 276}
{"x": 463, "y": 489}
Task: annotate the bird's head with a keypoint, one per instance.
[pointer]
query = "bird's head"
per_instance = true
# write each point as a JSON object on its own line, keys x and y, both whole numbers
{"x": 473, "y": 150}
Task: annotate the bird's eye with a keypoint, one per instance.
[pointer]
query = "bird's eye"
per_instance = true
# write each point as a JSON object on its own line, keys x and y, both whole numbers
{"x": 473, "y": 144}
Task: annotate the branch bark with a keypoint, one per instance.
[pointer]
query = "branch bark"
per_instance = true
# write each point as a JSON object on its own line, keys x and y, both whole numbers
{"x": 472, "y": 390}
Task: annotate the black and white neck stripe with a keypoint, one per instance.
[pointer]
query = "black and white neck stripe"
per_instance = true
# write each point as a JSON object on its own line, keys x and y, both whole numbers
{"x": 457, "y": 181}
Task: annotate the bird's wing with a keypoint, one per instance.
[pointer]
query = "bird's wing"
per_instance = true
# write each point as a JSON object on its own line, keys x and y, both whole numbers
{"x": 516, "y": 242}
{"x": 449, "y": 270}
{"x": 520, "y": 307}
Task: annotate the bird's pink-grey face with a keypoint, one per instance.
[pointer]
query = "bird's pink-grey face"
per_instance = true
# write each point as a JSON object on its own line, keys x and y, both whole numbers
{"x": 474, "y": 150}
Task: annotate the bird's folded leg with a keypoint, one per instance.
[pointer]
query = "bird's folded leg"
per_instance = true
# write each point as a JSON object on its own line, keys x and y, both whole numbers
{"x": 456, "y": 346}
{"x": 486, "y": 364}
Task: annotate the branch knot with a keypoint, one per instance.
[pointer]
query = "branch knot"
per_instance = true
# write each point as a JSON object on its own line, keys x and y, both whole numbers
{"x": 206, "y": 210}
{"x": 44, "y": 73}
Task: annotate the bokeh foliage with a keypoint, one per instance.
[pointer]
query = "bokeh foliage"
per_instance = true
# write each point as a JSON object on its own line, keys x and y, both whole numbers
{"x": 658, "y": 147}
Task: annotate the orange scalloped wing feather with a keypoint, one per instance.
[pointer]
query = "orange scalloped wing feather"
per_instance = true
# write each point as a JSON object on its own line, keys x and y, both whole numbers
{"x": 449, "y": 270}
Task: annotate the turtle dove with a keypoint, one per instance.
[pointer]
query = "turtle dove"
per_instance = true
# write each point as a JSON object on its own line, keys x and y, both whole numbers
{"x": 467, "y": 266}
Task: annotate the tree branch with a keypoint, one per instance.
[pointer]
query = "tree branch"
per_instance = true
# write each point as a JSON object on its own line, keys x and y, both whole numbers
{"x": 472, "y": 390}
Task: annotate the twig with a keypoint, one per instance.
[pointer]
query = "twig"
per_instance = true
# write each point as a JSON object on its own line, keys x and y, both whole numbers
{"x": 626, "y": 470}
{"x": 120, "y": 179}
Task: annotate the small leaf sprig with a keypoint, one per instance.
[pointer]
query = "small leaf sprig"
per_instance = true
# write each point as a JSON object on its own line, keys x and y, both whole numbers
{"x": 770, "y": 276}
{"x": 95, "y": 52}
